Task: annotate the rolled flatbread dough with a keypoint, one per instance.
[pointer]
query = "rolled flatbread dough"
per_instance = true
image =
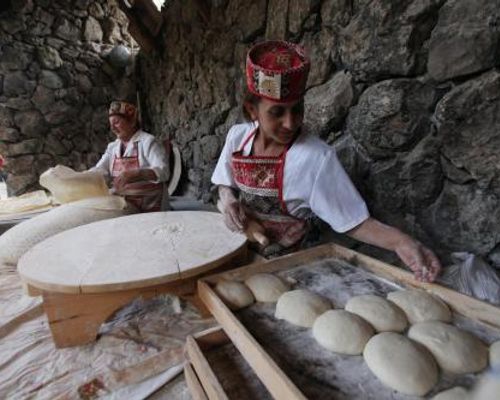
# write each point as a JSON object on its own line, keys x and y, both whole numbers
{"x": 301, "y": 307}
{"x": 342, "y": 332}
{"x": 266, "y": 288}
{"x": 383, "y": 315}
{"x": 456, "y": 393}
{"x": 22, "y": 237}
{"x": 495, "y": 354}
{"x": 67, "y": 185}
{"x": 455, "y": 351}
{"x": 26, "y": 202}
{"x": 234, "y": 294}
{"x": 401, "y": 364}
{"x": 420, "y": 306}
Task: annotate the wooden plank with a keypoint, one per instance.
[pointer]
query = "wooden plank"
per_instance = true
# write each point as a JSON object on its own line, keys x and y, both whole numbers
{"x": 210, "y": 338}
{"x": 279, "y": 264}
{"x": 468, "y": 306}
{"x": 193, "y": 383}
{"x": 210, "y": 383}
{"x": 275, "y": 380}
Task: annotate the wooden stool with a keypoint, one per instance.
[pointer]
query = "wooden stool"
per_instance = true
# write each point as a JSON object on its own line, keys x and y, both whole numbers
{"x": 87, "y": 273}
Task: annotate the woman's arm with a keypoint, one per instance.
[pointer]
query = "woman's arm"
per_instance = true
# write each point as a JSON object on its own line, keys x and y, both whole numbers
{"x": 421, "y": 260}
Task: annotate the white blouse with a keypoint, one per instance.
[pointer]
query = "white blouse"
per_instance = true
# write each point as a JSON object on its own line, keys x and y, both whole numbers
{"x": 314, "y": 180}
{"x": 150, "y": 151}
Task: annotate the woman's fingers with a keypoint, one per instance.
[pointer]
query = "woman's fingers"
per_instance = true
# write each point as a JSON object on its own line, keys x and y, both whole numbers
{"x": 237, "y": 216}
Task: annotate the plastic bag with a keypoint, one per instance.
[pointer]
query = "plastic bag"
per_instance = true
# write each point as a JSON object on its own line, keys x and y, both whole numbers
{"x": 471, "y": 275}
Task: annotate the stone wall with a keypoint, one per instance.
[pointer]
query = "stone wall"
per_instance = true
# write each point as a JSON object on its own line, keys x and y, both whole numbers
{"x": 407, "y": 91}
{"x": 55, "y": 84}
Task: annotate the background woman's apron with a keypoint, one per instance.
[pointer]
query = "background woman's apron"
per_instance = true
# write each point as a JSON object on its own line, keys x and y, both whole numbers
{"x": 260, "y": 181}
{"x": 145, "y": 196}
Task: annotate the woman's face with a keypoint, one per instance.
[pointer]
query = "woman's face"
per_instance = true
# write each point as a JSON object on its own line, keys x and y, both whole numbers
{"x": 121, "y": 127}
{"x": 279, "y": 122}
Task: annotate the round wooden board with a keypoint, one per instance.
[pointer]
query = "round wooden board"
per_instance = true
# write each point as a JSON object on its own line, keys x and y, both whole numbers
{"x": 130, "y": 252}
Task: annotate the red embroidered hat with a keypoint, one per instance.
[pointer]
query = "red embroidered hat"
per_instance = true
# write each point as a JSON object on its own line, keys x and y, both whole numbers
{"x": 277, "y": 70}
{"x": 122, "y": 108}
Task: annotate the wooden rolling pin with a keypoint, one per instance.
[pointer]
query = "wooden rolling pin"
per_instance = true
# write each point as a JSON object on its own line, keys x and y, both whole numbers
{"x": 254, "y": 231}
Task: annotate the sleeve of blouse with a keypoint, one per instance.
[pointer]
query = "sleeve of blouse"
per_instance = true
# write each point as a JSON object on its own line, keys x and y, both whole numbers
{"x": 334, "y": 198}
{"x": 103, "y": 165}
{"x": 158, "y": 161}
{"x": 223, "y": 174}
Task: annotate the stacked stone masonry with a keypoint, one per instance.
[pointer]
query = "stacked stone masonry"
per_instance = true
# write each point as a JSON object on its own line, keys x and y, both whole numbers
{"x": 55, "y": 84}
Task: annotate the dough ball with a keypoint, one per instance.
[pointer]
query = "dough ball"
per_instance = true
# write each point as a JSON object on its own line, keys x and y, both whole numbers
{"x": 301, "y": 307}
{"x": 267, "y": 288}
{"x": 234, "y": 294}
{"x": 379, "y": 312}
{"x": 401, "y": 364}
{"x": 495, "y": 354}
{"x": 420, "y": 306}
{"x": 455, "y": 350}
{"x": 456, "y": 393}
{"x": 342, "y": 332}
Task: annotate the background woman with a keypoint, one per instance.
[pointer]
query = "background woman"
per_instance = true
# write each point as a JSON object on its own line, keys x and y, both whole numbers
{"x": 136, "y": 161}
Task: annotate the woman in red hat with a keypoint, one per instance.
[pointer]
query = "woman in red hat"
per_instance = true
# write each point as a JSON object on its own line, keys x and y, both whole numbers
{"x": 135, "y": 161}
{"x": 272, "y": 172}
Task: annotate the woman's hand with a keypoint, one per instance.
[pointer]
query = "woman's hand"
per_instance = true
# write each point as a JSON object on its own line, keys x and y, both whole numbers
{"x": 126, "y": 177}
{"x": 421, "y": 260}
{"x": 131, "y": 176}
{"x": 235, "y": 216}
{"x": 233, "y": 211}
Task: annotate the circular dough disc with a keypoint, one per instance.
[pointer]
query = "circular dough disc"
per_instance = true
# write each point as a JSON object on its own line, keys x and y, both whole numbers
{"x": 301, "y": 307}
{"x": 266, "y": 288}
{"x": 420, "y": 306}
{"x": 383, "y": 315}
{"x": 455, "y": 351}
{"x": 342, "y": 332}
{"x": 235, "y": 294}
{"x": 401, "y": 364}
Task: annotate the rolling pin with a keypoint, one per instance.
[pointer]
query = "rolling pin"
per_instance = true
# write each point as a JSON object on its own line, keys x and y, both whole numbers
{"x": 254, "y": 231}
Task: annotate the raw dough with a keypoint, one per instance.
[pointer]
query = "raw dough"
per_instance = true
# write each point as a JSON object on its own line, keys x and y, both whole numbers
{"x": 456, "y": 393}
{"x": 266, "y": 288}
{"x": 455, "y": 350}
{"x": 67, "y": 185}
{"x": 401, "y": 364}
{"x": 26, "y": 202}
{"x": 22, "y": 237}
{"x": 495, "y": 354}
{"x": 379, "y": 312}
{"x": 420, "y": 306}
{"x": 342, "y": 332}
{"x": 301, "y": 307}
{"x": 235, "y": 295}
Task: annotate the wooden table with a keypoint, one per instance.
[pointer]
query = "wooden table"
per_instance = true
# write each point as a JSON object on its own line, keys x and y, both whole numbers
{"x": 87, "y": 273}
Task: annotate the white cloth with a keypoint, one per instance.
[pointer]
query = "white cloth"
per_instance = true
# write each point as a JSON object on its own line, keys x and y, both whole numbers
{"x": 314, "y": 180}
{"x": 151, "y": 155}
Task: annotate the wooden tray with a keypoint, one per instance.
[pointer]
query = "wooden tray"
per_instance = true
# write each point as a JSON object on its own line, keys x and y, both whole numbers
{"x": 271, "y": 375}
{"x": 202, "y": 377}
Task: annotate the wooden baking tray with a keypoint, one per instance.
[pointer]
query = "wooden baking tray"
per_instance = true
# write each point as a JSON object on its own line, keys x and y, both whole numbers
{"x": 215, "y": 370}
{"x": 269, "y": 372}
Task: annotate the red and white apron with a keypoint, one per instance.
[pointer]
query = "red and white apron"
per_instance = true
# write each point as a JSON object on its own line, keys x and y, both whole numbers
{"x": 260, "y": 181}
{"x": 145, "y": 196}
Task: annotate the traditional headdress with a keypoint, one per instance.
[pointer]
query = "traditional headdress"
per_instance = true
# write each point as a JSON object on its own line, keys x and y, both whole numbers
{"x": 122, "y": 108}
{"x": 277, "y": 70}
